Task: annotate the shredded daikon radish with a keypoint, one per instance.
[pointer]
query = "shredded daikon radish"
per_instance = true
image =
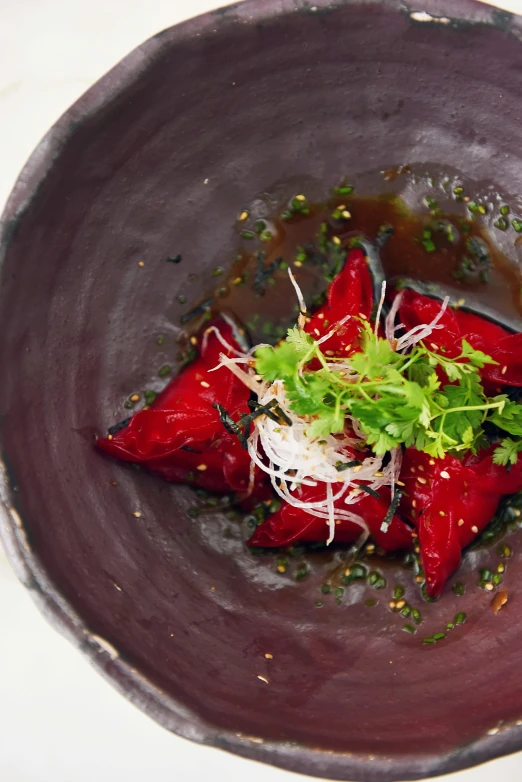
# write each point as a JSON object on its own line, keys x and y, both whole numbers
{"x": 389, "y": 323}
{"x": 222, "y": 340}
{"x": 300, "y": 297}
{"x": 379, "y": 309}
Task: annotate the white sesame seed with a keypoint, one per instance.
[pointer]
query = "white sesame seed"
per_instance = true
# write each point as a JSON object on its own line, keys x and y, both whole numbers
{"x": 263, "y": 679}
{"x": 460, "y": 522}
{"x": 336, "y": 240}
{"x": 422, "y": 480}
{"x": 320, "y": 316}
{"x": 205, "y": 384}
{"x": 201, "y": 467}
{"x": 474, "y": 529}
{"x": 503, "y": 370}
{"x": 244, "y": 215}
{"x": 445, "y": 474}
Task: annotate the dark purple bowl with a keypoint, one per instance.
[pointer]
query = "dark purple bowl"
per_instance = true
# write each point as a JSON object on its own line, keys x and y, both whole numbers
{"x": 157, "y": 159}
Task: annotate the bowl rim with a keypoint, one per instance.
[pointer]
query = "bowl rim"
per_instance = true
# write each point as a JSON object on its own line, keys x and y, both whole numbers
{"x": 156, "y": 703}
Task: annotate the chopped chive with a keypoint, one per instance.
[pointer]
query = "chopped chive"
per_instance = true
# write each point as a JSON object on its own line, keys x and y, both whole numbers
{"x": 406, "y": 612}
{"x": 398, "y": 592}
{"x": 174, "y": 259}
{"x": 165, "y": 370}
{"x": 459, "y": 588}
{"x": 460, "y": 618}
{"x": 504, "y": 210}
{"x": 502, "y": 224}
{"x": 369, "y": 490}
{"x": 347, "y": 465}
{"x": 409, "y": 629}
{"x": 439, "y": 636}
{"x": 326, "y": 589}
{"x": 517, "y": 225}
{"x": 193, "y": 513}
{"x": 301, "y": 572}
{"x": 429, "y": 641}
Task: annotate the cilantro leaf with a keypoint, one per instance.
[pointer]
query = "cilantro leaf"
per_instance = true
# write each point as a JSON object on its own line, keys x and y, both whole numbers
{"x": 277, "y": 363}
{"x": 475, "y": 357}
{"x": 507, "y": 452}
{"x": 300, "y": 340}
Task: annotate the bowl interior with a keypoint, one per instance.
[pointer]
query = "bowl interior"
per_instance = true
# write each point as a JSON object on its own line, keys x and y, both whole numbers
{"x": 159, "y": 162}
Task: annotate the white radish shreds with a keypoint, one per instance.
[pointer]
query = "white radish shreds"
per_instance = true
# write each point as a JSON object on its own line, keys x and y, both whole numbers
{"x": 379, "y": 309}
{"x": 300, "y": 297}
{"x": 221, "y": 339}
{"x": 389, "y": 324}
{"x": 420, "y": 332}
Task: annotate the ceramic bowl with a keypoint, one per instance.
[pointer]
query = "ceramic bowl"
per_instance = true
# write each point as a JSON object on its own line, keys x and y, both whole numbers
{"x": 157, "y": 159}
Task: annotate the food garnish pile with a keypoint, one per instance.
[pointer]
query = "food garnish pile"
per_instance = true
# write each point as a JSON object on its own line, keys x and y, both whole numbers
{"x": 396, "y": 420}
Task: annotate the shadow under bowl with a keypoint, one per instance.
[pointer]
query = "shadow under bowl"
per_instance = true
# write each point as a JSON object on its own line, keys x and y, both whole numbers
{"x": 157, "y": 159}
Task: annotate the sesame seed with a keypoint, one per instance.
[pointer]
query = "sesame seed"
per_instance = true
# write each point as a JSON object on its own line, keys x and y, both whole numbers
{"x": 501, "y": 567}
{"x": 432, "y": 462}
{"x": 347, "y": 571}
{"x": 370, "y": 549}
{"x": 417, "y": 549}
{"x": 378, "y": 475}
{"x": 137, "y": 514}
{"x": 419, "y": 579}
{"x": 244, "y": 215}
{"x": 336, "y": 240}
{"x": 413, "y": 469}
{"x": 400, "y": 605}
{"x": 300, "y": 197}
{"x": 460, "y": 522}
{"x": 201, "y": 467}
{"x": 134, "y": 398}
{"x": 516, "y": 513}
{"x": 445, "y": 474}
{"x": 441, "y": 513}
{"x": 298, "y": 264}
{"x": 205, "y": 384}
{"x": 503, "y": 370}
{"x": 434, "y": 346}
{"x": 141, "y": 264}
{"x": 499, "y": 600}
{"x": 474, "y": 529}
{"x": 392, "y": 604}
{"x": 414, "y": 503}
{"x": 461, "y": 302}
{"x": 422, "y": 480}
{"x": 237, "y": 281}
{"x": 193, "y": 340}
{"x": 346, "y": 214}
{"x": 317, "y": 332}
{"x": 109, "y": 437}
{"x": 421, "y": 468}
{"x": 363, "y": 316}
{"x": 320, "y": 316}
{"x": 281, "y": 568}
{"x": 269, "y": 656}
{"x": 212, "y": 588}
{"x": 489, "y": 587}
{"x": 357, "y": 468}
{"x": 329, "y": 353}
{"x": 263, "y": 679}
{"x": 400, "y": 483}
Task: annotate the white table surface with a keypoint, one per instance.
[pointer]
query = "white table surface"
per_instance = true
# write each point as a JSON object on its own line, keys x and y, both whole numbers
{"x": 60, "y": 721}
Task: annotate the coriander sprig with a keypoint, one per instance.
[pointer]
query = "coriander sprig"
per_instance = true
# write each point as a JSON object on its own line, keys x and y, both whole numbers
{"x": 396, "y": 398}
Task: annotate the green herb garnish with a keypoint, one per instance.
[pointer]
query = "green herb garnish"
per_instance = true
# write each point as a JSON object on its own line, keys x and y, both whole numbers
{"x": 397, "y": 399}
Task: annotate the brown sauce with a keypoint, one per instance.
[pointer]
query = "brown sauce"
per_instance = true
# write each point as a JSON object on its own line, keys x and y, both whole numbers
{"x": 429, "y": 245}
